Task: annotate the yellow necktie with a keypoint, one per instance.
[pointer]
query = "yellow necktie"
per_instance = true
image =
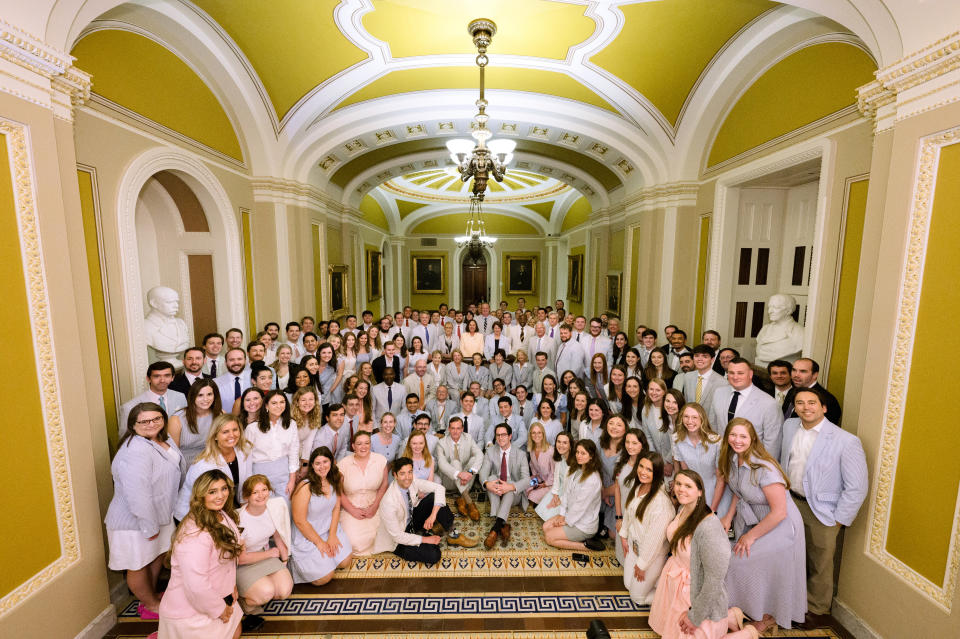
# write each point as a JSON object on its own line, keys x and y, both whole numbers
{"x": 699, "y": 387}
{"x": 421, "y": 392}
{"x": 456, "y": 450}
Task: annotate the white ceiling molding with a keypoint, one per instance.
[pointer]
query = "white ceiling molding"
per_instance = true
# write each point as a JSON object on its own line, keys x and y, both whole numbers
{"x": 434, "y": 210}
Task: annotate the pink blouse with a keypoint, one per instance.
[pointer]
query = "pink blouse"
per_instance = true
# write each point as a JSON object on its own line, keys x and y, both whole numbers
{"x": 199, "y": 577}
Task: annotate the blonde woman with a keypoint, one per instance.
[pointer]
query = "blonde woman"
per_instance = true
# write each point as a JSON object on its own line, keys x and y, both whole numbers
{"x": 541, "y": 463}
{"x": 417, "y": 450}
{"x": 305, "y": 410}
{"x": 282, "y": 367}
{"x": 697, "y": 446}
{"x": 227, "y": 449}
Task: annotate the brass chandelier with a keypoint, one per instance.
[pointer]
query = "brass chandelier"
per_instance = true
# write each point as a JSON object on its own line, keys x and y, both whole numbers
{"x": 481, "y": 157}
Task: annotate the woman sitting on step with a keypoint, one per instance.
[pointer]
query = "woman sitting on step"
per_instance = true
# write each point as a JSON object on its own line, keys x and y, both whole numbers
{"x": 579, "y": 517}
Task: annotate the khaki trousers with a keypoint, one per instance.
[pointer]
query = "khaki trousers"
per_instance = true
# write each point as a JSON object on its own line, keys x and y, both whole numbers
{"x": 821, "y": 547}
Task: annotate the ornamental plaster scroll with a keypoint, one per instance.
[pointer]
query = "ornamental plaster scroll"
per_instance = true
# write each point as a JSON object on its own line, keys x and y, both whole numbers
{"x": 41, "y": 74}
{"x": 898, "y": 383}
{"x": 218, "y": 208}
{"x": 23, "y": 174}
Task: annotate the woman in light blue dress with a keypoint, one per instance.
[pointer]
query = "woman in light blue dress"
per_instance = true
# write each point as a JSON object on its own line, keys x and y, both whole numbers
{"x": 697, "y": 446}
{"x": 611, "y": 445}
{"x": 418, "y": 450}
{"x": 385, "y": 441}
{"x": 767, "y": 576}
{"x": 319, "y": 544}
{"x": 549, "y": 506}
{"x": 189, "y": 426}
{"x": 654, "y": 424}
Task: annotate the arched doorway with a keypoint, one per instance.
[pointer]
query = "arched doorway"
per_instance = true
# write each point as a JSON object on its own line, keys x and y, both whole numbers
{"x": 473, "y": 278}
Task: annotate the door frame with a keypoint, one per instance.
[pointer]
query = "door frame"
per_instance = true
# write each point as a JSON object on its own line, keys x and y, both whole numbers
{"x": 493, "y": 273}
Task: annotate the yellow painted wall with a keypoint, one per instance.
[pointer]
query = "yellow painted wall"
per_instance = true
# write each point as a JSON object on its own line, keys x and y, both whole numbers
{"x": 577, "y": 214}
{"x": 923, "y": 504}
{"x": 847, "y": 288}
{"x": 139, "y": 74}
{"x": 27, "y": 494}
{"x": 420, "y": 300}
{"x": 373, "y": 213}
{"x": 92, "y": 242}
{"x": 246, "y": 229}
{"x": 702, "y": 257}
{"x": 577, "y": 307}
{"x": 334, "y": 250}
{"x": 319, "y": 272}
{"x": 802, "y": 88}
{"x": 496, "y": 224}
{"x": 374, "y": 305}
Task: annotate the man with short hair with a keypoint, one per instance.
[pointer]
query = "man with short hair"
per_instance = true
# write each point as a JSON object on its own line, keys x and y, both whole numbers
{"x": 387, "y": 359}
{"x": 421, "y": 383}
{"x": 711, "y": 338}
{"x": 213, "y": 363}
{"x": 159, "y": 378}
{"x": 367, "y": 317}
{"x": 827, "y": 470}
{"x": 686, "y": 364}
{"x": 648, "y": 343}
{"x": 233, "y": 382}
{"x": 273, "y": 329}
{"x": 411, "y": 408}
{"x": 524, "y": 406}
{"x": 388, "y": 395}
{"x": 421, "y": 424}
{"x": 307, "y": 324}
{"x": 353, "y": 414}
{"x": 441, "y": 407}
{"x": 473, "y": 422}
{"x": 779, "y": 371}
{"x": 612, "y": 328}
{"x": 540, "y": 370}
{"x": 521, "y": 305}
{"x": 234, "y": 338}
{"x": 595, "y": 342}
{"x": 553, "y": 326}
{"x": 424, "y": 332}
{"x": 351, "y": 325}
{"x": 458, "y": 462}
{"x": 699, "y": 384}
{"x": 485, "y": 320}
{"x": 499, "y": 390}
{"x": 294, "y": 340}
{"x": 256, "y": 352}
{"x": 579, "y": 328}
{"x": 725, "y": 356}
{"x": 311, "y": 345}
{"x": 742, "y": 399}
{"x": 482, "y": 403}
{"x": 193, "y": 359}
{"x": 332, "y": 435}
{"x": 505, "y": 415}
{"x": 804, "y": 375}
{"x": 542, "y": 343}
{"x": 505, "y": 474}
{"x": 678, "y": 346}
{"x": 513, "y": 333}
{"x": 406, "y": 520}
{"x": 570, "y": 355}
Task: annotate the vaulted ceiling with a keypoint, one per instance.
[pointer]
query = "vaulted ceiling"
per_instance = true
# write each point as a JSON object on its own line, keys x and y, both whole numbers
{"x": 354, "y": 96}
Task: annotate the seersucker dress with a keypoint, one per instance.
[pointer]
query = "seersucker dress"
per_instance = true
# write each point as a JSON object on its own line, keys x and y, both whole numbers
{"x": 609, "y": 514}
{"x": 606, "y": 472}
{"x": 660, "y": 441}
{"x": 704, "y": 462}
{"x": 773, "y": 578}
{"x": 390, "y": 451}
{"x": 192, "y": 444}
{"x": 307, "y": 563}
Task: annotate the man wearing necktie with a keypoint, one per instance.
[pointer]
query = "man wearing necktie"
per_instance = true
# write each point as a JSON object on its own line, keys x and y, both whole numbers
{"x": 458, "y": 462}
{"x": 388, "y": 396}
{"x": 421, "y": 383}
{"x": 159, "y": 377}
{"x": 742, "y": 399}
{"x": 505, "y": 474}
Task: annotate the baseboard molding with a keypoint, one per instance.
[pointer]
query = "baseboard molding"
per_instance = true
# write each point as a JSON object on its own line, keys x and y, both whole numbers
{"x": 853, "y": 623}
{"x": 100, "y": 625}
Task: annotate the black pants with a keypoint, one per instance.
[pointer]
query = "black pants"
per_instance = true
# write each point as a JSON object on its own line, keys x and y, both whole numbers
{"x": 425, "y": 553}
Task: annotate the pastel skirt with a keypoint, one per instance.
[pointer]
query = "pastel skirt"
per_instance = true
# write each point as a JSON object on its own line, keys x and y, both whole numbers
{"x": 278, "y": 472}
{"x": 200, "y": 626}
{"x": 130, "y": 550}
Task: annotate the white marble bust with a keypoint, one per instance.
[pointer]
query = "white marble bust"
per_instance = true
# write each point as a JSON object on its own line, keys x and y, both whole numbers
{"x": 166, "y": 334}
{"x": 782, "y": 337}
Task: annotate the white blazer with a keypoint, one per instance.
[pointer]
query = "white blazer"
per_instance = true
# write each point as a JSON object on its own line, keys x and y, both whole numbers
{"x": 392, "y": 530}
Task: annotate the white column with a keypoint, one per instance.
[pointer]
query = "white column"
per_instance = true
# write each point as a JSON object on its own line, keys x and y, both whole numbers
{"x": 667, "y": 262}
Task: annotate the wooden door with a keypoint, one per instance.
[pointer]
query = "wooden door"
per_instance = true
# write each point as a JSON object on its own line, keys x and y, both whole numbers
{"x": 474, "y": 282}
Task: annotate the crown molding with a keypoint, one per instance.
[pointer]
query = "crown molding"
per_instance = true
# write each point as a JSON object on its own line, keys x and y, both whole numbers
{"x": 41, "y": 74}
{"x": 922, "y": 81}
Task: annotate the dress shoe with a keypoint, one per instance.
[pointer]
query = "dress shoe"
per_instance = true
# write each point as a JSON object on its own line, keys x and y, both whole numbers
{"x": 462, "y": 540}
{"x": 813, "y": 621}
{"x": 472, "y": 511}
{"x": 462, "y": 506}
{"x": 490, "y": 540}
{"x": 437, "y": 529}
{"x": 505, "y": 534}
{"x": 146, "y": 614}
{"x": 252, "y": 623}
{"x": 594, "y": 543}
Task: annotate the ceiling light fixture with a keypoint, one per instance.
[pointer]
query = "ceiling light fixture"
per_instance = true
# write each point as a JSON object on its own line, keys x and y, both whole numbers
{"x": 485, "y": 157}
{"x": 476, "y": 238}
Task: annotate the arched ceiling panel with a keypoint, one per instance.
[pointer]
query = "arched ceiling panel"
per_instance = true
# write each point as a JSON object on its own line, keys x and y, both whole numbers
{"x": 577, "y": 214}
{"x": 373, "y": 213}
{"x": 664, "y": 46}
{"x": 293, "y": 45}
{"x": 536, "y": 28}
{"x": 454, "y": 223}
{"x": 802, "y": 88}
{"x": 143, "y": 76}
{"x": 514, "y": 79}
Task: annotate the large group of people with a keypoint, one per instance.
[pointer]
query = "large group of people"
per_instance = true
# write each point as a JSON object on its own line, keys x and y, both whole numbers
{"x": 261, "y": 465}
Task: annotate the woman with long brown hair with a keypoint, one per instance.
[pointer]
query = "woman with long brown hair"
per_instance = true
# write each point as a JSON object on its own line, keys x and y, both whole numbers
{"x": 767, "y": 575}
{"x": 319, "y": 543}
{"x": 188, "y": 427}
{"x": 573, "y": 528}
{"x": 690, "y": 600}
{"x": 201, "y": 598}
{"x": 647, "y": 510}
{"x": 656, "y": 423}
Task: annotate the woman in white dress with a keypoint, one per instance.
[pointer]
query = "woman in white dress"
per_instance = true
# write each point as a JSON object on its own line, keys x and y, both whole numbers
{"x": 549, "y": 506}
{"x": 574, "y": 526}
{"x": 643, "y": 533}
{"x": 436, "y": 367}
{"x": 347, "y": 356}
{"x": 146, "y": 475}
{"x": 305, "y": 410}
{"x": 416, "y": 352}
{"x": 276, "y": 444}
{"x": 546, "y": 417}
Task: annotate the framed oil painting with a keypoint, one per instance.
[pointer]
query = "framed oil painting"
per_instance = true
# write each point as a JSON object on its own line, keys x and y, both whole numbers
{"x": 575, "y": 277}
{"x": 429, "y": 273}
{"x": 613, "y": 293}
{"x": 521, "y": 274}
{"x": 374, "y": 275}
{"x": 338, "y": 288}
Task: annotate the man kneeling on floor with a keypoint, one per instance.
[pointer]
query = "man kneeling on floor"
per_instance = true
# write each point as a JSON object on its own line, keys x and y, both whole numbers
{"x": 413, "y": 514}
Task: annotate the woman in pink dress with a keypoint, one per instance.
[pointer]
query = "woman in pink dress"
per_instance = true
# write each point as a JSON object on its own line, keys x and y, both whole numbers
{"x": 201, "y": 599}
{"x": 691, "y": 600}
{"x": 541, "y": 463}
{"x": 365, "y": 479}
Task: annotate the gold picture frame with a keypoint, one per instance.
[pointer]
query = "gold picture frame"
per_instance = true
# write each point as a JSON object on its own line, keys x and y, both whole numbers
{"x": 521, "y": 274}
{"x": 338, "y": 287}
{"x": 429, "y": 273}
{"x": 575, "y": 277}
{"x": 374, "y": 275}
{"x": 614, "y": 294}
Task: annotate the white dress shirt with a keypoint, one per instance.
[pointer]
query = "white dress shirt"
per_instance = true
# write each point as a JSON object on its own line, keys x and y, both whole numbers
{"x": 799, "y": 453}
{"x": 274, "y": 444}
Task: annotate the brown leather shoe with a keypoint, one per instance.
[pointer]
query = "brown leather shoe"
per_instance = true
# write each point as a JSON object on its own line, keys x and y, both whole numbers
{"x": 490, "y": 540}
{"x": 462, "y": 506}
{"x": 505, "y": 534}
{"x": 472, "y": 511}
{"x": 461, "y": 540}
{"x": 437, "y": 529}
